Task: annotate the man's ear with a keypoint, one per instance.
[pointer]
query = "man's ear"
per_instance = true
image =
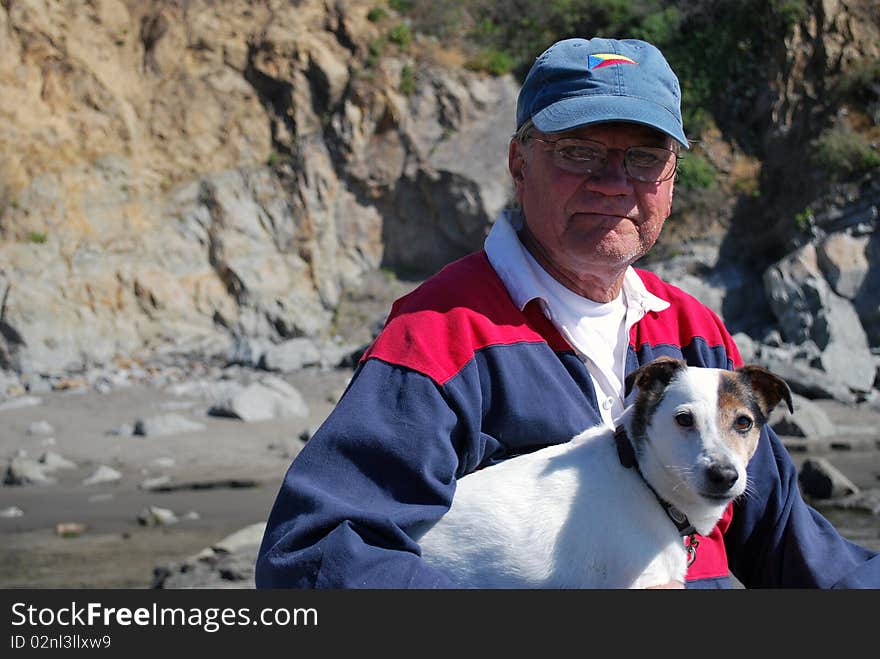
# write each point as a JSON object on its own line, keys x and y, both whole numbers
{"x": 516, "y": 163}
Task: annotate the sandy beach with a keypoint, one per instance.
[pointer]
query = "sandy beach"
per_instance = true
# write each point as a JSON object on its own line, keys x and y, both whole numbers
{"x": 219, "y": 480}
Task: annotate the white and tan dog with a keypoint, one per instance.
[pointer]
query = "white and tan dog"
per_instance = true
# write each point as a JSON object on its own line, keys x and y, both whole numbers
{"x": 574, "y": 516}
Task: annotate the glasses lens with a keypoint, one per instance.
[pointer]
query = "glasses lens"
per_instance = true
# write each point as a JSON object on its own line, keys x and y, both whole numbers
{"x": 642, "y": 163}
{"x": 579, "y": 156}
{"x": 649, "y": 164}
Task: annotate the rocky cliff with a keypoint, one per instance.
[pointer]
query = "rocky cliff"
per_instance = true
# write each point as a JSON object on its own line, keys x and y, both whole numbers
{"x": 193, "y": 176}
{"x": 183, "y": 173}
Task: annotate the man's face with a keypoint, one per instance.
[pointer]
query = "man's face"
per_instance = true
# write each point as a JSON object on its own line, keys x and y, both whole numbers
{"x": 590, "y": 226}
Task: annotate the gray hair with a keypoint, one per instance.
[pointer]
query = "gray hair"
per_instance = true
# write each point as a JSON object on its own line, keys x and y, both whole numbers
{"x": 523, "y": 133}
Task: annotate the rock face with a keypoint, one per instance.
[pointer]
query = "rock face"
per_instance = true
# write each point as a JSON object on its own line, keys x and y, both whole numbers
{"x": 809, "y": 310}
{"x": 189, "y": 173}
{"x": 211, "y": 179}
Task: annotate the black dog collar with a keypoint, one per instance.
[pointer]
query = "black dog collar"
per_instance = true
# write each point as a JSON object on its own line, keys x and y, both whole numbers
{"x": 628, "y": 459}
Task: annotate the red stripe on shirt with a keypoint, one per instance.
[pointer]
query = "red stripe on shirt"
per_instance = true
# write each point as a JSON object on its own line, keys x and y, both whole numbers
{"x": 683, "y": 321}
{"x": 437, "y": 328}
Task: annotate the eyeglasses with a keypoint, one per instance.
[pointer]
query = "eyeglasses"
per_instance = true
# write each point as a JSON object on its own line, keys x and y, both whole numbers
{"x": 648, "y": 164}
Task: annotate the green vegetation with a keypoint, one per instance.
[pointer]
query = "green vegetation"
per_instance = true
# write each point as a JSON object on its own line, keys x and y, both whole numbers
{"x": 694, "y": 171}
{"x": 277, "y": 158}
{"x": 496, "y": 62}
{"x": 719, "y": 48}
{"x": 375, "y": 49}
{"x": 376, "y": 14}
{"x": 407, "y": 80}
{"x": 844, "y": 154}
{"x": 400, "y": 35}
{"x": 402, "y": 5}
{"x": 804, "y": 219}
{"x": 858, "y": 83}
{"x": 38, "y": 237}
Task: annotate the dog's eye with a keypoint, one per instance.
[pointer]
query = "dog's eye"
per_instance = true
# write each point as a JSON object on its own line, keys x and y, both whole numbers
{"x": 742, "y": 423}
{"x": 685, "y": 419}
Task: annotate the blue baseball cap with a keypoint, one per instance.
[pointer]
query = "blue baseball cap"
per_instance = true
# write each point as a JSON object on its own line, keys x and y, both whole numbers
{"x": 578, "y": 82}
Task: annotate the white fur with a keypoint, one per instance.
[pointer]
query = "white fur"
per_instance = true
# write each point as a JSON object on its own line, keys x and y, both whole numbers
{"x": 571, "y": 516}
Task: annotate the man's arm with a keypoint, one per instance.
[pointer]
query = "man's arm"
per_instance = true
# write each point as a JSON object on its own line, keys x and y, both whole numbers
{"x": 383, "y": 463}
{"x": 776, "y": 540}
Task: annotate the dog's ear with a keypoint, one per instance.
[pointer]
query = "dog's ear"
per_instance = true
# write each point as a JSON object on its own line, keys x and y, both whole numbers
{"x": 659, "y": 371}
{"x": 770, "y": 388}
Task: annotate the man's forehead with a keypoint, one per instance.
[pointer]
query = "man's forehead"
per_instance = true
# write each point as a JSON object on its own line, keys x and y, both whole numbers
{"x": 630, "y": 132}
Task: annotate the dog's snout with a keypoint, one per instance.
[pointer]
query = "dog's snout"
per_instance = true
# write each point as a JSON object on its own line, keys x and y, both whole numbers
{"x": 721, "y": 476}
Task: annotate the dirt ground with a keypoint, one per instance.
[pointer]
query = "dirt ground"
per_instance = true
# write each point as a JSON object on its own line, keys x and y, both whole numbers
{"x": 234, "y": 470}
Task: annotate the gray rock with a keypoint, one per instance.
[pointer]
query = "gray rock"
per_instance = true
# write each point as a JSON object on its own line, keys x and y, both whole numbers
{"x": 155, "y": 482}
{"x": 864, "y": 500}
{"x": 867, "y": 301}
{"x": 38, "y": 385}
{"x": 269, "y": 398}
{"x": 165, "y": 424}
{"x": 156, "y": 516}
{"x": 247, "y": 351}
{"x": 10, "y": 383}
{"x": 809, "y": 382}
{"x": 52, "y": 461}
{"x": 103, "y": 474}
{"x": 124, "y": 430}
{"x": 24, "y": 471}
{"x": 808, "y": 310}
{"x": 227, "y": 564}
{"x": 820, "y": 479}
{"x": 291, "y": 355}
{"x": 339, "y": 355}
{"x": 808, "y": 420}
{"x": 40, "y": 428}
{"x": 844, "y": 262}
{"x": 748, "y": 347}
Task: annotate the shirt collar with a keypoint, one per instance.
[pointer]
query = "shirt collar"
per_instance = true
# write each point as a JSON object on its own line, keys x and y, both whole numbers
{"x": 509, "y": 258}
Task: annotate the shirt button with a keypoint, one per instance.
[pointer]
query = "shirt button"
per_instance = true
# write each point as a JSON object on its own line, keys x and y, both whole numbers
{"x": 607, "y": 403}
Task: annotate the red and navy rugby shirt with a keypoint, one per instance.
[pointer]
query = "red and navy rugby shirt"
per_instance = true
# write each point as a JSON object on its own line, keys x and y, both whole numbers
{"x": 459, "y": 379}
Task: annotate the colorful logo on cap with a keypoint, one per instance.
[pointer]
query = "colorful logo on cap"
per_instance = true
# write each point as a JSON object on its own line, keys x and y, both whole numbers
{"x": 599, "y": 60}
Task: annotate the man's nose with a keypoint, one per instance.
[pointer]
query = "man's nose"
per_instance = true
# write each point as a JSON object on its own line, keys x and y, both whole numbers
{"x": 612, "y": 179}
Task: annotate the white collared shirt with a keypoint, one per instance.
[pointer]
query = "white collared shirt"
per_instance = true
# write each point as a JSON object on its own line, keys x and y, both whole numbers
{"x": 598, "y": 332}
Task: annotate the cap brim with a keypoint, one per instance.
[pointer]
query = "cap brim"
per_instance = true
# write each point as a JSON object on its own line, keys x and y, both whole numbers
{"x": 577, "y": 111}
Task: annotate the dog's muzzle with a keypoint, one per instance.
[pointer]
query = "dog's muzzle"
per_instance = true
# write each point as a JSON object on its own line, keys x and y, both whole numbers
{"x": 720, "y": 478}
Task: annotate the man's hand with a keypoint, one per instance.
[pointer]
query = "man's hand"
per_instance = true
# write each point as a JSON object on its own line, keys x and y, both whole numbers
{"x": 672, "y": 585}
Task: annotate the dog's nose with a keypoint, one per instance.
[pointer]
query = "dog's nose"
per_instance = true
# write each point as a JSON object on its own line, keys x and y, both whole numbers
{"x": 721, "y": 477}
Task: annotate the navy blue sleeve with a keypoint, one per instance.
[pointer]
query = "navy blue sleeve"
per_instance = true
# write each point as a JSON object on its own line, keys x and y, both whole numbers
{"x": 776, "y": 540}
{"x": 384, "y": 461}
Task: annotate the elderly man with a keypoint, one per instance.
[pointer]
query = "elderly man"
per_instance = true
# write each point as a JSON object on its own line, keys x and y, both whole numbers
{"x": 528, "y": 342}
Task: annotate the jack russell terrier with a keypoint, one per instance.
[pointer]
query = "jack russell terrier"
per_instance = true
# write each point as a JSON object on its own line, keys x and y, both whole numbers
{"x": 609, "y": 509}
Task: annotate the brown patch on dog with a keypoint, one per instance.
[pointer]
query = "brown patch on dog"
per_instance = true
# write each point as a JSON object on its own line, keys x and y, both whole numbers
{"x": 749, "y": 393}
{"x": 740, "y": 417}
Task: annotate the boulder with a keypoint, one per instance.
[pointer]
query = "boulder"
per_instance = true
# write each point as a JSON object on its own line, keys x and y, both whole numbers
{"x": 808, "y": 420}
{"x": 227, "y": 564}
{"x": 808, "y": 310}
{"x": 820, "y": 479}
{"x": 268, "y": 398}
{"x": 165, "y": 424}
